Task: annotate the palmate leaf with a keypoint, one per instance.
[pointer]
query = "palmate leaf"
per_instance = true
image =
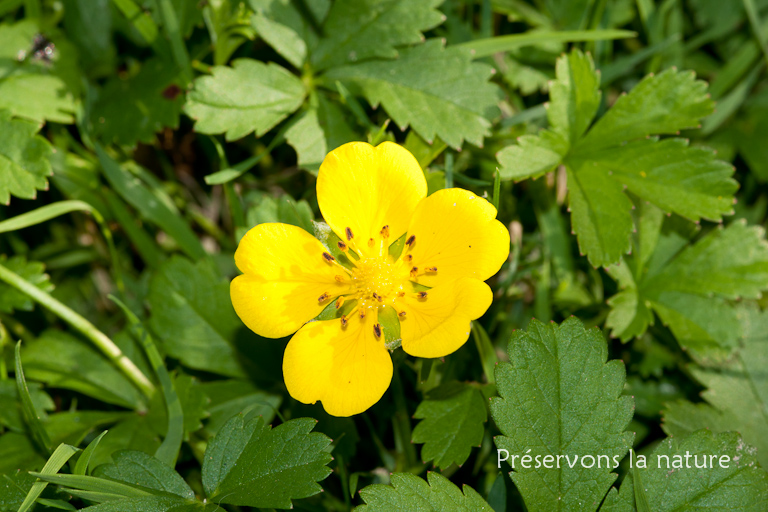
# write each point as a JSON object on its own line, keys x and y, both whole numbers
{"x": 356, "y": 30}
{"x": 737, "y": 392}
{"x": 688, "y": 286}
{"x": 741, "y": 485}
{"x": 409, "y": 492}
{"x": 439, "y": 92}
{"x": 133, "y": 110}
{"x": 453, "y": 417}
{"x": 249, "y": 96}
{"x": 617, "y": 155}
{"x": 560, "y": 398}
{"x": 24, "y": 164}
{"x": 32, "y": 271}
{"x": 252, "y": 464}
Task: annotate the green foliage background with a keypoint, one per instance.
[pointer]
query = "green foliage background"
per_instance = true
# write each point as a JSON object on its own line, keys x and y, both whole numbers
{"x": 623, "y": 141}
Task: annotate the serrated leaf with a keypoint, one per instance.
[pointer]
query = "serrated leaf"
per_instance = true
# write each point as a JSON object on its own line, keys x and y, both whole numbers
{"x": 153, "y": 504}
{"x": 193, "y": 317}
{"x": 142, "y": 470}
{"x": 319, "y": 130}
{"x": 283, "y": 39}
{"x": 660, "y": 104}
{"x": 618, "y": 154}
{"x": 737, "y": 392}
{"x": 252, "y": 464}
{"x": 409, "y": 492}
{"x": 439, "y": 92}
{"x": 688, "y": 286}
{"x": 285, "y": 13}
{"x": 453, "y": 416}
{"x": 249, "y": 96}
{"x": 134, "y": 109}
{"x": 671, "y": 486}
{"x": 357, "y": 30}
{"x": 24, "y": 164}
{"x": 33, "y": 272}
{"x": 560, "y": 397}
{"x": 31, "y": 87}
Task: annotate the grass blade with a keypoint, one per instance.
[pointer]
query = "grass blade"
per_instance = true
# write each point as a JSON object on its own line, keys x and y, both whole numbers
{"x": 60, "y": 457}
{"x": 43, "y": 214}
{"x": 486, "y": 47}
{"x": 31, "y": 417}
{"x": 81, "y": 467}
{"x": 94, "y": 484}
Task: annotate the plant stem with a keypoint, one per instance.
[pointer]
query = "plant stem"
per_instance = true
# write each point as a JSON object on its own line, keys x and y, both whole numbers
{"x": 85, "y": 327}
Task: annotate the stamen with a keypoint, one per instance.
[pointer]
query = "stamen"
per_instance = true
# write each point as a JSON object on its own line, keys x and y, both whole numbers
{"x": 410, "y": 240}
{"x": 422, "y": 295}
{"x": 362, "y": 314}
{"x": 339, "y": 302}
{"x": 344, "y": 321}
{"x": 408, "y": 258}
{"x": 342, "y": 246}
{"x": 401, "y": 294}
{"x": 323, "y": 297}
{"x": 378, "y": 297}
{"x": 414, "y": 271}
{"x": 432, "y": 269}
{"x": 377, "y": 330}
{"x": 328, "y": 257}
{"x": 338, "y": 278}
{"x": 385, "y": 231}
{"x": 371, "y": 242}
{"x": 349, "y": 234}
{"x": 401, "y": 314}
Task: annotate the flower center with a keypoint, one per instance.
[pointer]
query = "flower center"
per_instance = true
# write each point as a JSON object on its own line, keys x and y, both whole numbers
{"x": 375, "y": 280}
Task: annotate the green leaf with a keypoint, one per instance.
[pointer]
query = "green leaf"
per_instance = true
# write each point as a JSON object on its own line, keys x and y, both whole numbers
{"x": 32, "y": 87}
{"x": 737, "y": 392}
{"x": 58, "y": 458}
{"x": 670, "y": 485}
{"x": 11, "y": 415}
{"x": 152, "y": 503}
{"x": 252, "y": 464}
{"x": 81, "y": 467}
{"x": 617, "y": 154}
{"x": 303, "y": 20}
{"x": 32, "y": 416}
{"x": 34, "y": 272}
{"x": 438, "y": 92}
{"x": 249, "y": 96}
{"x": 147, "y": 202}
{"x": 134, "y": 109}
{"x": 453, "y": 416}
{"x": 231, "y": 397}
{"x": 13, "y": 489}
{"x": 688, "y": 286}
{"x": 560, "y": 398}
{"x": 24, "y": 165}
{"x": 283, "y": 39}
{"x": 492, "y": 45}
{"x": 65, "y": 361}
{"x": 357, "y": 30}
{"x": 42, "y": 214}
{"x": 192, "y": 316}
{"x": 193, "y": 402}
{"x": 320, "y": 130}
{"x": 409, "y": 492}
{"x": 142, "y": 470}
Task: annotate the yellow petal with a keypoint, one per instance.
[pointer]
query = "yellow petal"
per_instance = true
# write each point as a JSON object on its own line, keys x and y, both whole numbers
{"x": 364, "y": 188}
{"x": 348, "y": 369}
{"x": 456, "y": 232}
{"x": 440, "y": 323}
{"x": 284, "y": 276}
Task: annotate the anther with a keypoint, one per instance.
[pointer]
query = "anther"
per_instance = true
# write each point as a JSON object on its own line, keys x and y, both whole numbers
{"x": 371, "y": 242}
{"x": 401, "y": 314}
{"x": 422, "y": 295}
{"x": 342, "y": 246}
{"x": 377, "y": 330}
{"x": 323, "y": 297}
{"x": 432, "y": 269}
{"x": 378, "y": 297}
{"x": 338, "y": 278}
{"x": 344, "y": 320}
{"x": 410, "y": 240}
{"x": 408, "y": 258}
{"x": 328, "y": 257}
{"x": 401, "y": 294}
{"x": 339, "y": 302}
{"x": 385, "y": 231}
{"x": 414, "y": 271}
{"x": 362, "y": 314}
{"x": 349, "y": 234}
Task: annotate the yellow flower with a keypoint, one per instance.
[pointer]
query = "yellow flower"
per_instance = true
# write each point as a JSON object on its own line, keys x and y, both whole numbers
{"x": 370, "y": 197}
